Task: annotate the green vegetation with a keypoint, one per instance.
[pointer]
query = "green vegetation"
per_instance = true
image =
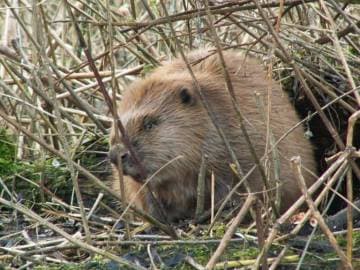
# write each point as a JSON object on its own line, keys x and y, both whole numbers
{"x": 8, "y": 165}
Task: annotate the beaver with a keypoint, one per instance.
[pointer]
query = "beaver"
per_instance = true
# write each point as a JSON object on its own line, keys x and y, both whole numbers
{"x": 166, "y": 122}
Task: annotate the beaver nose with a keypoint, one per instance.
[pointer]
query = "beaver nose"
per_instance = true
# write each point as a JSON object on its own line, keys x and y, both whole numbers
{"x": 113, "y": 154}
{"x": 125, "y": 157}
{"x": 119, "y": 151}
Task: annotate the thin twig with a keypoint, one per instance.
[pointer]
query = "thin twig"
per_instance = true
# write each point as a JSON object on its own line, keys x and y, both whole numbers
{"x": 230, "y": 231}
{"x": 295, "y": 161}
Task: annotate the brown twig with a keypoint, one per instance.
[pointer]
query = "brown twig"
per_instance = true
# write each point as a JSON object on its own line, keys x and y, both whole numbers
{"x": 295, "y": 161}
{"x": 200, "y": 202}
{"x": 230, "y": 231}
{"x": 349, "y": 185}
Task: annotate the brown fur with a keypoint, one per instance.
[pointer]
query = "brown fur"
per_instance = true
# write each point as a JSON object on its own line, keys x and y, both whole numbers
{"x": 181, "y": 127}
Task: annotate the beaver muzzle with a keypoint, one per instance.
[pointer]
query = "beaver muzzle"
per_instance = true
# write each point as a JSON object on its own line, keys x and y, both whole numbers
{"x": 118, "y": 153}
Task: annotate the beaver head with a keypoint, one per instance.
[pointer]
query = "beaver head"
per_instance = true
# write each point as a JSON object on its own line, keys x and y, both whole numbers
{"x": 165, "y": 122}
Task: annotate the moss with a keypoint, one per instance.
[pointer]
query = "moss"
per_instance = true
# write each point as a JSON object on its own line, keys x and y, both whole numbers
{"x": 54, "y": 171}
{"x": 8, "y": 165}
{"x": 14, "y": 172}
{"x": 356, "y": 239}
{"x": 219, "y": 230}
{"x": 200, "y": 253}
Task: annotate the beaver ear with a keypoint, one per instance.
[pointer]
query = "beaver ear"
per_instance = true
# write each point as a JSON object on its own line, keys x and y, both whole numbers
{"x": 187, "y": 97}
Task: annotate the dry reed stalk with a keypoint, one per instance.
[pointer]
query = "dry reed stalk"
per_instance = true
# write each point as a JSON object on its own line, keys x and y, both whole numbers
{"x": 230, "y": 231}
{"x": 349, "y": 185}
{"x": 295, "y": 161}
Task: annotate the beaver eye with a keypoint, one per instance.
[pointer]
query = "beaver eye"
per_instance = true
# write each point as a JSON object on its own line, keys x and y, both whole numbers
{"x": 149, "y": 123}
{"x": 186, "y": 97}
